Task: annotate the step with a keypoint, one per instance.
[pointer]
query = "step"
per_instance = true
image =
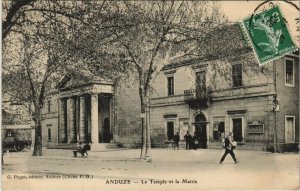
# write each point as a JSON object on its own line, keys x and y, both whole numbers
{"x": 104, "y": 146}
{"x": 94, "y": 147}
{"x": 244, "y": 146}
{"x": 70, "y": 146}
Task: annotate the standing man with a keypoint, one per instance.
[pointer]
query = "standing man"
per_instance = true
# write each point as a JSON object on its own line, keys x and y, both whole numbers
{"x": 228, "y": 148}
{"x": 188, "y": 140}
{"x": 176, "y": 140}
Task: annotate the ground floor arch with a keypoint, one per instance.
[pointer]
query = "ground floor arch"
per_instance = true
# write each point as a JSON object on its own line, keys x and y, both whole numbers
{"x": 200, "y": 129}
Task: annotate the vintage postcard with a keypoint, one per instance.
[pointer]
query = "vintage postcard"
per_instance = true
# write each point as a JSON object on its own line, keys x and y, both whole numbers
{"x": 150, "y": 95}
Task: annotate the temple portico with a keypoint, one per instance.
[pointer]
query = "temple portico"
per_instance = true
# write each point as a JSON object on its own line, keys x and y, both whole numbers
{"x": 86, "y": 113}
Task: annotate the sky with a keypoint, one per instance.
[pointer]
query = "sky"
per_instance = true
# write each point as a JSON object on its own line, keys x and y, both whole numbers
{"x": 237, "y": 10}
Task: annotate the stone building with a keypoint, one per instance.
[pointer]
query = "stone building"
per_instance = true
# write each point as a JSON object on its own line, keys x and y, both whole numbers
{"x": 80, "y": 109}
{"x": 212, "y": 97}
{"x": 88, "y": 108}
{"x": 208, "y": 97}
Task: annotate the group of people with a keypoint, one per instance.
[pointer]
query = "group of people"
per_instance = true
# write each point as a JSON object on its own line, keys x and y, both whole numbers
{"x": 192, "y": 142}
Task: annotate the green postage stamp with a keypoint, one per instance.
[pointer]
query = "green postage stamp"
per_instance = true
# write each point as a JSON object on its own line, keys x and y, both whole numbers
{"x": 269, "y": 35}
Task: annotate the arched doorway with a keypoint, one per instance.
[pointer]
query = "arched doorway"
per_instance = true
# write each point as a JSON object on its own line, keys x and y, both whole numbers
{"x": 200, "y": 130}
{"x": 106, "y": 131}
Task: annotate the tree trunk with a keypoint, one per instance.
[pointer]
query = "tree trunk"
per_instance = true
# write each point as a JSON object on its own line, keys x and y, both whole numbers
{"x": 38, "y": 135}
{"x": 144, "y": 97}
{"x": 143, "y": 148}
{"x": 2, "y": 153}
{"x": 148, "y": 138}
{"x": 144, "y": 135}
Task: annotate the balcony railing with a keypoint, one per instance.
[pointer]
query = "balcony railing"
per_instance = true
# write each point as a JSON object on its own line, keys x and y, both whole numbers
{"x": 195, "y": 95}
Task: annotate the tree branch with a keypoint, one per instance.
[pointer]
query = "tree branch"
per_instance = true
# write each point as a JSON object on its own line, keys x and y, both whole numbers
{"x": 7, "y": 24}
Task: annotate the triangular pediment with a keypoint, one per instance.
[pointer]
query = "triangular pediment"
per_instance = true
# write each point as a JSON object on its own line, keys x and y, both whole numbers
{"x": 81, "y": 78}
{"x": 74, "y": 82}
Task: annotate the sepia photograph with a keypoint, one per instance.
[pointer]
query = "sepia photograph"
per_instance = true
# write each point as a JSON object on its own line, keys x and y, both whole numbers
{"x": 150, "y": 95}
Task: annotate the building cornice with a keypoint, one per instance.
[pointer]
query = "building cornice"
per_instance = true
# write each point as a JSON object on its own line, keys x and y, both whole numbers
{"x": 215, "y": 99}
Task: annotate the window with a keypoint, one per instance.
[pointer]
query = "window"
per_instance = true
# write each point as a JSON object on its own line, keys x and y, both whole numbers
{"x": 237, "y": 75}
{"x": 49, "y": 106}
{"x": 170, "y": 130}
{"x": 201, "y": 81}
{"x": 170, "y": 85}
{"x": 289, "y": 72}
{"x": 49, "y": 134}
{"x": 237, "y": 129}
{"x": 289, "y": 129}
{"x": 218, "y": 129}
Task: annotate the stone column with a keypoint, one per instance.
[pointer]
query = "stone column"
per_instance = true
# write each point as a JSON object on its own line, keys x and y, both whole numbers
{"x": 68, "y": 106}
{"x": 82, "y": 117}
{"x": 94, "y": 118}
{"x": 77, "y": 118}
{"x": 111, "y": 116}
{"x": 62, "y": 124}
{"x": 88, "y": 118}
{"x": 71, "y": 120}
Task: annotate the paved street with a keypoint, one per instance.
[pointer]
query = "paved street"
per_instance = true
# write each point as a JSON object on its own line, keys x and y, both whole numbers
{"x": 170, "y": 169}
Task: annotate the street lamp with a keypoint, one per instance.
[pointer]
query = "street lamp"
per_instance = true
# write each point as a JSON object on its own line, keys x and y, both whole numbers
{"x": 275, "y": 104}
{"x": 275, "y": 109}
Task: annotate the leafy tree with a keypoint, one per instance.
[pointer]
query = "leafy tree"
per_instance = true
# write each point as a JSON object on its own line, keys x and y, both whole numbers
{"x": 36, "y": 52}
{"x": 161, "y": 32}
{"x": 18, "y": 13}
{"x": 113, "y": 37}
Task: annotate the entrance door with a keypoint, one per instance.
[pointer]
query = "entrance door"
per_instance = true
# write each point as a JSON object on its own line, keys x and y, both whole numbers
{"x": 106, "y": 131}
{"x": 170, "y": 130}
{"x": 200, "y": 130}
{"x": 237, "y": 129}
{"x": 289, "y": 129}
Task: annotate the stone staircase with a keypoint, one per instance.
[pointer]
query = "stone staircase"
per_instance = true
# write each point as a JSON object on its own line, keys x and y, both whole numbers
{"x": 94, "y": 147}
{"x": 104, "y": 146}
{"x": 214, "y": 145}
{"x": 69, "y": 146}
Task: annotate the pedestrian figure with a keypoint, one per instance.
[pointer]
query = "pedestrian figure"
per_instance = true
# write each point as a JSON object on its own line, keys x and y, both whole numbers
{"x": 229, "y": 148}
{"x": 79, "y": 146}
{"x": 176, "y": 141}
{"x": 82, "y": 150}
{"x": 188, "y": 140}
{"x": 86, "y": 148}
{"x": 195, "y": 141}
